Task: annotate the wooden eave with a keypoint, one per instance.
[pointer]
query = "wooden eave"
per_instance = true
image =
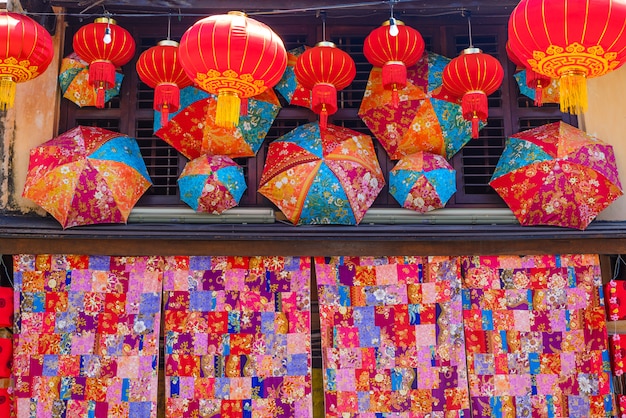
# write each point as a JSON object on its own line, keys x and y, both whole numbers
{"x": 26, "y": 234}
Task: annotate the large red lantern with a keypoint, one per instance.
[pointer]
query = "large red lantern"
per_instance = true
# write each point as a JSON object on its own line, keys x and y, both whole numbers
{"x": 473, "y": 75}
{"x": 570, "y": 40}
{"x": 25, "y": 54}
{"x": 534, "y": 80}
{"x": 233, "y": 57}
{"x": 105, "y": 46}
{"x": 324, "y": 69}
{"x": 159, "y": 68}
{"x": 393, "y": 52}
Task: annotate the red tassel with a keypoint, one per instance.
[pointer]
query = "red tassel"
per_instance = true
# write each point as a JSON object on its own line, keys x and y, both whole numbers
{"x": 165, "y": 115}
{"x": 100, "y": 92}
{"x": 323, "y": 119}
{"x": 102, "y": 77}
{"x": 475, "y": 126}
{"x": 6, "y": 307}
{"x": 244, "y": 107}
{"x": 166, "y": 100}
{"x": 6, "y": 354}
{"x": 395, "y": 98}
{"x": 536, "y": 81}
{"x": 394, "y": 74}
{"x": 324, "y": 98}
{"x": 474, "y": 106}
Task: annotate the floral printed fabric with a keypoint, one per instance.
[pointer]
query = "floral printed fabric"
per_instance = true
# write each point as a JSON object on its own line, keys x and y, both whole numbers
{"x": 238, "y": 337}
{"x": 86, "y": 336}
{"x": 536, "y": 337}
{"x": 392, "y": 337}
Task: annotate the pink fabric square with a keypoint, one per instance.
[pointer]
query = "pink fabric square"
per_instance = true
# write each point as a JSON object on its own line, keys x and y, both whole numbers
{"x": 425, "y": 335}
{"x": 346, "y": 381}
{"x": 547, "y": 384}
{"x": 386, "y": 274}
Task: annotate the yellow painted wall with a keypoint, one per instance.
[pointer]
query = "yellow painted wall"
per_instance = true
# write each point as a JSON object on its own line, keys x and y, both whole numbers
{"x": 606, "y": 119}
{"x": 32, "y": 121}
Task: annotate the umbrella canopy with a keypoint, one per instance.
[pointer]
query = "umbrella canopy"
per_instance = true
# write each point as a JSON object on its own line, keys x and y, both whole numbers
{"x": 422, "y": 182}
{"x": 288, "y": 86}
{"x": 427, "y": 118}
{"x": 86, "y": 176}
{"x": 211, "y": 184}
{"x": 74, "y": 82}
{"x": 315, "y": 177}
{"x": 556, "y": 175}
{"x": 193, "y": 131}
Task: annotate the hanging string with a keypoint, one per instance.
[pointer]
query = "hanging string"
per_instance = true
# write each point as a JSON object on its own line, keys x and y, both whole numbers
{"x": 169, "y": 26}
{"x": 323, "y": 15}
{"x": 468, "y": 14}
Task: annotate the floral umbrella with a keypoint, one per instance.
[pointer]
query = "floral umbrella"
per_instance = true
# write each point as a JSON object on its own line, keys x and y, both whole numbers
{"x": 556, "y": 175}
{"x": 427, "y": 119}
{"x": 74, "y": 82}
{"x": 288, "y": 86}
{"x": 211, "y": 184}
{"x": 193, "y": 131}
{"x": 422, "y": 181}
{"x": 86, "y": 176}
{"x": 315, "y": 177}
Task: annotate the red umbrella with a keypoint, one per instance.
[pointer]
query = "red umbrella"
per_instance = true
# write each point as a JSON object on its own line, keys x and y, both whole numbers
{"x": 556, "y": 175}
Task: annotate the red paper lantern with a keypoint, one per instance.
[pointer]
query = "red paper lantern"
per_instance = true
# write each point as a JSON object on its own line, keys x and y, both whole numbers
{"x": 570, "y": 40}
{"x": 105, "y": 46}
{"x": 534, "y": 80}
{"x": 159, "y": 68}
{"x": 393, "y": 53}
{"x": 324, "y": 69}
{"x": 233, "y": 57}
{"x": 473, "y": 76}
{"x": 6, "y": 307}
{"x": 26, "y": 53}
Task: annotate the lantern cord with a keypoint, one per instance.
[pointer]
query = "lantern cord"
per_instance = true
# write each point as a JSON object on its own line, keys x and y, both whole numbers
{"x": 169, "y": 25}
{"x": 468, "y": 14}
{"x": 323, "y": 16}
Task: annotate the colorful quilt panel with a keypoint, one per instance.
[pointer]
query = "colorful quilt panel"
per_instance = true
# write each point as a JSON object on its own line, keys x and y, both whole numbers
{"x": 392, "y": 337}
{"x": 86, "y": 336}
{"x": 238, "y": 339}
{"x": 536, "y": 337}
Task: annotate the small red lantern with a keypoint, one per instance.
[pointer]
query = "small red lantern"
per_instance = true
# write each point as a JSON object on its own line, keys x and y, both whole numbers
{"x": 26, "y": 53}
{"x": 473, "y": 76}
{"x": 159, "y": 68}
{"x": 394, "y": 53}
{"x": 233, "y": 57}
{"x": 105, "y": 46}
{"x": 324, "y": 69}
{"x": 534, "y": 80}
{"x": 569, "y": 40}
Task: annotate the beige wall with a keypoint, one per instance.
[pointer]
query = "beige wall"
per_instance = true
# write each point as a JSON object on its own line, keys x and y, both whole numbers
{"x": 606, "y": 119}
{"x": 32, "y": 121}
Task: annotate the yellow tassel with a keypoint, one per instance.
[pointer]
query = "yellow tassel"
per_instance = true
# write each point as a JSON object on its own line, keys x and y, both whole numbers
{"x": 228, "y": 109}
{"x": 573, "y": 92}
{"x": 7, "y": 93}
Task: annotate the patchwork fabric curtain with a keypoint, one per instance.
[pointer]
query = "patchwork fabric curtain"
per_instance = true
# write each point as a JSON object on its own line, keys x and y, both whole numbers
{"x": 86, "y": 336}
{"x": 238, "y": 337}
{"x": 536, "y": 337}
{"x": 392, "y": 337}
